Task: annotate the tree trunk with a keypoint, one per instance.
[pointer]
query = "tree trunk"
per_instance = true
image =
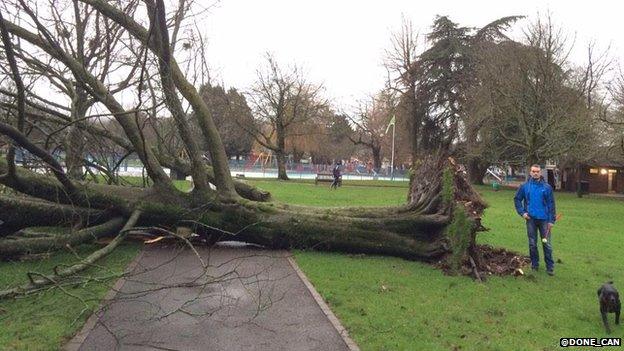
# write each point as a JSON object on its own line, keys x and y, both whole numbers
{"x": 161, "y": 40}
{"x": 424, "y": 228}
{"x": 376, "y": 157}
{"x": 418, "y": 230}
{"x": 177, "y": 175}
{"x": 73, "y": 153}
{"x": 13, "y": 212}
{"x": 243, "y": 189}
{"x": 280, "y": 153}
{"x": 74, "y": 143}
{"x": 476, "y": 170}
{"x": 579, "y": 190}
{"x": 11, "y": 248}
{"x": 281, "y": 165}
{"x": 414, "y": 121}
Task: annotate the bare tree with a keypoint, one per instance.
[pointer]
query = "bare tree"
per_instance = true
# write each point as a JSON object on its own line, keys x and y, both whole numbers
{"x": 372, "y": 122}
{"x": 538, "y": 105}
{"x": 77, "y": 36}
{"x": 402, "y": 61}
{"x": 281, "y": 100}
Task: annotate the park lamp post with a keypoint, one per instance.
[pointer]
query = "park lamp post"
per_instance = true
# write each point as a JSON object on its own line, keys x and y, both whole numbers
{"x": 392, "y": 123}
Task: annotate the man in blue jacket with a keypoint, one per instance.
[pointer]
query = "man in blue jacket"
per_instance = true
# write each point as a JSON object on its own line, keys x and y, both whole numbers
{"x": 535, "y": 202}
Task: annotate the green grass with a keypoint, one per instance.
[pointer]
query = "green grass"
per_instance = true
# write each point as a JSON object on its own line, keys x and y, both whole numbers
{"x": 138, "y": 182}
{"x": 394, "y": 304}
{"x": 351, "y": 193}
{"x": 347, "y": 182}
{"x": 45, "y": 320}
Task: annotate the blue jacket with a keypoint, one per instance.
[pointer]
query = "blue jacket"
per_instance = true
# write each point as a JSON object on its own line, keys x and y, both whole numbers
{"x": 536, "y": 198}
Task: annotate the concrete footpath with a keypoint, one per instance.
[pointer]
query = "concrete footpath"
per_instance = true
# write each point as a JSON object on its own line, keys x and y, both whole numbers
{"x": 251, "y": 299}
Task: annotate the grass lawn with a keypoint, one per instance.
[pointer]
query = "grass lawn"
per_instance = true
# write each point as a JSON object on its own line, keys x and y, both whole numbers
{"x": 394, "y": 304}
{"x": 44, "y": 321}
{"x": 352, "y": 193}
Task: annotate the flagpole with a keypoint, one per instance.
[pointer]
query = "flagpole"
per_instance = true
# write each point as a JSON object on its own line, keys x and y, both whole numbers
{"x": 392, "y": 159}
{"x": 393, "y": 124}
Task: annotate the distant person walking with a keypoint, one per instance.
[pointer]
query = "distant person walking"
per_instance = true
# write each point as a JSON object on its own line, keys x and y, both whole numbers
{"x": 535, "y": 202}
{"x": 337, "y": 177}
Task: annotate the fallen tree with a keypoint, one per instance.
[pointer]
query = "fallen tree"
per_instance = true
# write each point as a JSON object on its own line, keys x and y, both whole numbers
{"x": 439, "y": 220}
{"x": 417, "y": 230}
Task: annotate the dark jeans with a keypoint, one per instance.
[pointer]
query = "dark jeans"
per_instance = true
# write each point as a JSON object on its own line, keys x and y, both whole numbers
{"x": 336, "y": 183}
{"x": 533, "y": 225}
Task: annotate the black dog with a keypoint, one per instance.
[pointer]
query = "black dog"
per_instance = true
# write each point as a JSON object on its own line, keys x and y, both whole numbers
{"x": 609, "y": 303}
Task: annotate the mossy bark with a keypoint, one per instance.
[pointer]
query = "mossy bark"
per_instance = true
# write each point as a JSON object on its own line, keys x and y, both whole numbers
{"x": 12, "y": 248}
{"x": 243, "y": 189}
{"x": 20, "y": 212}
{"x": 417, "y": 230}
{"x": 86, "y": 195}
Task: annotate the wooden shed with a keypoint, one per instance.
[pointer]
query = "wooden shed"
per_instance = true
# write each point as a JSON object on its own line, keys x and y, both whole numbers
{"x": 596, "y": 177}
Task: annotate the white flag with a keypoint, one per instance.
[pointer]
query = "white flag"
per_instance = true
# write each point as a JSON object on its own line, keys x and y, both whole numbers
{"x": 392, "y": 122}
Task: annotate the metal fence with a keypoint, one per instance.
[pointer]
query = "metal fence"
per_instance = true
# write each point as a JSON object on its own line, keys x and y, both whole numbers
{"x": 253, "y": 168}
{"x": 350, "y": 170}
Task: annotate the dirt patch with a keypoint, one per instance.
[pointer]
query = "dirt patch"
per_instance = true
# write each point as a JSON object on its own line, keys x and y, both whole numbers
{"x": 490, "y": 261}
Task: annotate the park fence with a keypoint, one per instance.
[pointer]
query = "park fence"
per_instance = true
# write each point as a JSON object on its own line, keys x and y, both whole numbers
{"x": 298, "y": 170}
{"x": 252, "y": 167}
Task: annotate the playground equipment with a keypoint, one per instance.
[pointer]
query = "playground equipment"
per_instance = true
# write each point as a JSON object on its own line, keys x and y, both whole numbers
{"x": 496, "y": 176}
{"x": 264, "y": 159}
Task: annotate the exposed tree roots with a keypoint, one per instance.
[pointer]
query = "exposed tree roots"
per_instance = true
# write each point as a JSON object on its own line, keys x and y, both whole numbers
{"x": 492, "y": 261}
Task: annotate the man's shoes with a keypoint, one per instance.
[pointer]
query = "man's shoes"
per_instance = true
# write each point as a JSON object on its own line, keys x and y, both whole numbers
{"x": 535, "y": 269}
{"x": 550, "y": 272}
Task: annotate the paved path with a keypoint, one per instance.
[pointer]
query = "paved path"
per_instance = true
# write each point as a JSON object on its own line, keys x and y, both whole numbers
{"x": 258, "y": 303}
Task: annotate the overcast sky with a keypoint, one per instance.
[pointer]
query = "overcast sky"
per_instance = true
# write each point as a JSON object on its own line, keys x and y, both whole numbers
{"x": 341, "y": 43}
